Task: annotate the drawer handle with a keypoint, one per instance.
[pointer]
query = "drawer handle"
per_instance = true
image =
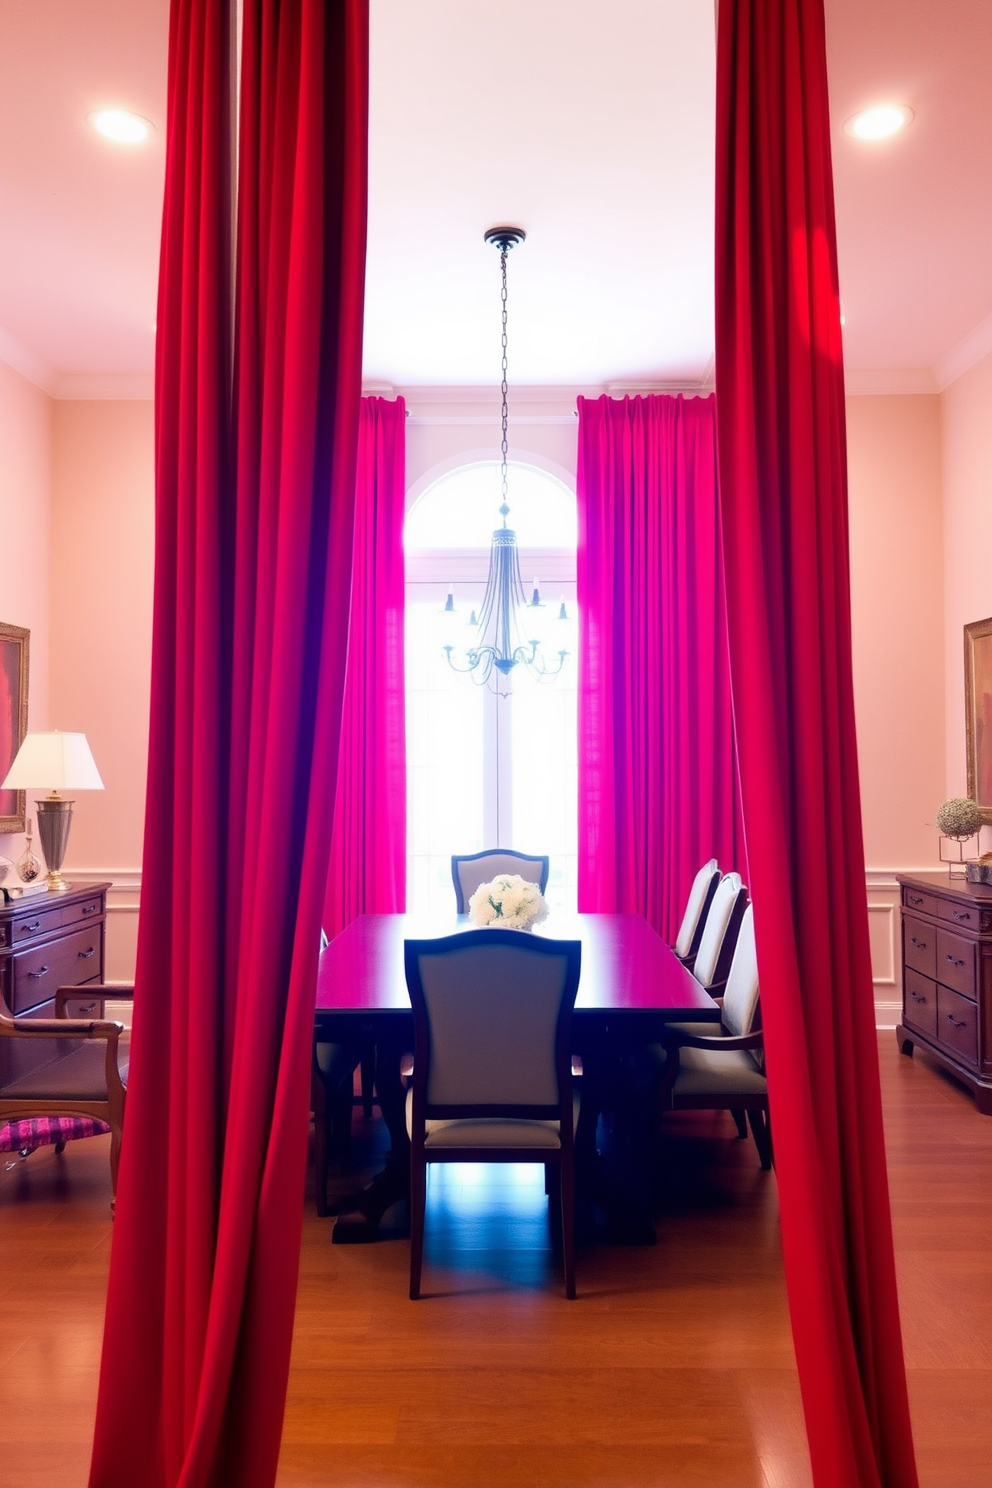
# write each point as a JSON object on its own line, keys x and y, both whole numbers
{"x": 34, "y": 976}
{"x": 914, "y": 899}
{"x": 917, "y": 996}
{"x": 89, "y": 909}
{"x": 920, "y": 945}
{"x": 85, "y": 955}
{"x": 955, "y": 1022}
{"x": 90, "y": 1007}
{"x": 29, "y": 929}
{"x": 954, "y": 960}
{"x": 962, "y": 914}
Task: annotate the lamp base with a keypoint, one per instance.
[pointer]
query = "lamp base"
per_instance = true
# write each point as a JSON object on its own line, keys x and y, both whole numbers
{"x": 54, "y": 821}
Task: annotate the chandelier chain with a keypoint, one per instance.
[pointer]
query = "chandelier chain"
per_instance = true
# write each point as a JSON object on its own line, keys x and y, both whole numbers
{"x": 503, "y": 384}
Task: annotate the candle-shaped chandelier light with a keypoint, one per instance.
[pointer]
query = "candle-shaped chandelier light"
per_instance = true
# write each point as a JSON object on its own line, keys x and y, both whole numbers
{"x": 506, "y": 631}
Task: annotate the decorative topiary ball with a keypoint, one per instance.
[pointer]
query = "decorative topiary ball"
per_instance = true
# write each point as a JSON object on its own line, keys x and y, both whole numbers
{"x": 958, "y": 817}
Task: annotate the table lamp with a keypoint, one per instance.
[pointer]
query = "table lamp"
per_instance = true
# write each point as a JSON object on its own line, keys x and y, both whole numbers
{"x": 55, "y": 762}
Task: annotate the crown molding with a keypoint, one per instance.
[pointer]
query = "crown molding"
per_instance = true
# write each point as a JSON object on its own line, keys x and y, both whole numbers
{"x": 24, "y": 362}
{"x": 962, "y": 357}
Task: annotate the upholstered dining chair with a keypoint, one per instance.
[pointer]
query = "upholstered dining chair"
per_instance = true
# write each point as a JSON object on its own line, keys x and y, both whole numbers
{"x": 716, "y": 946}
{"x": 492, "y": 1077}
{"x": 724, "y": 1069}
{"x": 66, "y": 1067}
{"x": 703, "y": 888}
{"x": 469, "y": 870}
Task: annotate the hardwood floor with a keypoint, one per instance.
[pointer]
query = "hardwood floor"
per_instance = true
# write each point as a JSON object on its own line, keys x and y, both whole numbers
{"x": 673, "y": 1367}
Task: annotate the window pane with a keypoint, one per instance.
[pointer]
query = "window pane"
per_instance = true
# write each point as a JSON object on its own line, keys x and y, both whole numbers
{"x": 545, "y": 777}
{"x": 461, "y": 509}
{"x": 444, "y": 764}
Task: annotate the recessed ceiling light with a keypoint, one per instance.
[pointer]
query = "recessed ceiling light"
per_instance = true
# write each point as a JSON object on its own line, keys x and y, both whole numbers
{"x": 879, "y": 122}
{"x": 118, "y": 124}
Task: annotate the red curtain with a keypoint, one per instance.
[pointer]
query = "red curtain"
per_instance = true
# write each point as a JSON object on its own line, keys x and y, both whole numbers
{"x": 780, "y": 400}
{"x": 367, "y": 873}
{"x": 255, "y": 497}
{"x": 658, "y": 791}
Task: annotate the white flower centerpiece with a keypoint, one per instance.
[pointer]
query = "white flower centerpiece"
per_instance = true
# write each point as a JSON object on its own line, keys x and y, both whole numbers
{"x": 508, "y": 902}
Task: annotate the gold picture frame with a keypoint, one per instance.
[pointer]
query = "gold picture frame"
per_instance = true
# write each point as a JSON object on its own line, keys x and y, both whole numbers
{"x": 13, "y": 717}
{"x": 978, "y": 713}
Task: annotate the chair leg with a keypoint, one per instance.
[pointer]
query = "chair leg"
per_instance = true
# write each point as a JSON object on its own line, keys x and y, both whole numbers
{"x": 567, "y": 1180}
{"x": 318, "y": 1100}
{"x": 418, "y": 1204}
{"x": 342, "y": 1105}
{"x": 740, "y": 1122}
{"x": 368, "y": 1081}
{"x": 762, "y": 1137}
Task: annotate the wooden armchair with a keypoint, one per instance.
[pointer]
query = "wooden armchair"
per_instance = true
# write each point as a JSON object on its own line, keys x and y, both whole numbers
{"x": 67, "y": 1066}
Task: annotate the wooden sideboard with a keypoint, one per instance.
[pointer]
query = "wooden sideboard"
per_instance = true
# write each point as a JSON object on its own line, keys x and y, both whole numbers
{"x": 947, "y": 976}
{"x": 48, "y": 941}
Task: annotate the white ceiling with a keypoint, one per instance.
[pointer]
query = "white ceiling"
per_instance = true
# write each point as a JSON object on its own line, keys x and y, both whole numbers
{"x": 590, "y": 124}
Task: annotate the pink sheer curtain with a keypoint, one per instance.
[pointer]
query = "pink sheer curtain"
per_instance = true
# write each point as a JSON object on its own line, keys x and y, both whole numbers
{"x": 780, "y": 392}
{"x": 367, "y": 873}
{"x": 658, "y": 791}
{"x": 255, "y": 483}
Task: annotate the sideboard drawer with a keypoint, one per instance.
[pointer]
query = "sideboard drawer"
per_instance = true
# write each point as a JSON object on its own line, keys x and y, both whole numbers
{"x": 957, "y": 1024}
{"x": 65, "y": 962}
{"x": 31, "y": 926}
{"x": 86, "y": 909}
{"x": 956, "y": 962}
{"x": 917, "y": 899}
{"x": 968, "y": 916}
{"x": 920, "y": 945}
{"x": 920, "y": 1002}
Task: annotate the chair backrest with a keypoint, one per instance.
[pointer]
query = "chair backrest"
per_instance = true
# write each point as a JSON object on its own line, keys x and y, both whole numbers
{"x": 469, "y": 870}
{"x": 700, "y": 896}
{"x": 740, "y": 998}
{"x": 719, "y": 937}
{"x": 492, "y": 1012}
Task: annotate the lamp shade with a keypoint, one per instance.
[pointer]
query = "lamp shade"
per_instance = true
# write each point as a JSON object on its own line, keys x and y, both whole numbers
{"x": 53, "y": 762}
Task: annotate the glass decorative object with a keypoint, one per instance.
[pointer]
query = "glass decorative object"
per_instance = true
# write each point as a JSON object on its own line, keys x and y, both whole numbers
{"x": 28, "y": 867}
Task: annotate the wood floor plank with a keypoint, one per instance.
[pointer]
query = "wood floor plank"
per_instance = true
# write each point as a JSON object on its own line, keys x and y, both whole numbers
{"x": 674, "y": 1367}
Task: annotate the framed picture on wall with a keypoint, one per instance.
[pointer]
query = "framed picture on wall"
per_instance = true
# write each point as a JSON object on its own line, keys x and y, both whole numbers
{"x": 978, "y": 712}
{"x": 13, "y": 717}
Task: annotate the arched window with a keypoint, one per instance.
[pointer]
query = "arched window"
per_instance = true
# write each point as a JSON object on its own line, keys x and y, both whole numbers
{"x": 485, "y": 770}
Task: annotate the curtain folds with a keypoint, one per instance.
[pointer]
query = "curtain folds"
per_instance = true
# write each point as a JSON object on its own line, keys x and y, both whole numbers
{"x": 658, "y": 792}
{"x": 367, "y": 873}
{"x": 255, "y": 479}
{"x": 780, "y": 401}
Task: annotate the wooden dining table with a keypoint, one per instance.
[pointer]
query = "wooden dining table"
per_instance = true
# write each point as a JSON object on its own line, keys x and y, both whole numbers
{"x": 631, "y": 983}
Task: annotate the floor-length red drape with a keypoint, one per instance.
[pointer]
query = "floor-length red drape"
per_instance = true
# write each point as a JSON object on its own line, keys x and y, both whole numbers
{"x": 255, "y": 478}
{"x": 367, "y": 871}
{"x": 658, "y": 791}
{"x": 780, "y": 407}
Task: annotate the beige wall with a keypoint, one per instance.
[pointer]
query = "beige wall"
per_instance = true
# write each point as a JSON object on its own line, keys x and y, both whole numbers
{"x": 25, "y": 501}
{"x": 91, "y": 465}
{"x": 966, "y": 408}
{"x": 897, "y": 612}
{"x": 101, "y": 603}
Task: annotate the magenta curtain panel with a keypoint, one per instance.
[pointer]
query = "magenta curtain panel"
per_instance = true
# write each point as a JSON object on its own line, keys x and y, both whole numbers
{"x": 367, "y": 872}
{"x": 658, "y": 792}
{"x": 780, "y": 401}
{"x": 255, "y": 488}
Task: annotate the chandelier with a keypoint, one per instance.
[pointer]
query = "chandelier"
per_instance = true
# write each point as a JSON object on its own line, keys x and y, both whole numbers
{"x": 507, "y": 629}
